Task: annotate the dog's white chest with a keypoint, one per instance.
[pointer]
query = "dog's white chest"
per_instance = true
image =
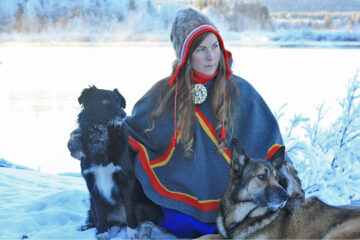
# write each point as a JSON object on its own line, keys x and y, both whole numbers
{"x": 104, "y": 179}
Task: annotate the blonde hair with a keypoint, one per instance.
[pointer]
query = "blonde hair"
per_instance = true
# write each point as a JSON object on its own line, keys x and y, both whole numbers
{"x": 186, "y": 106}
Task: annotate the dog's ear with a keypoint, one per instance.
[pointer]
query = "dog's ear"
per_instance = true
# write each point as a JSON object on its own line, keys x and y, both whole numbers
{"x": 238, "y": 156}
{"x": 277, "y": 159}
{"x": 85, "y": 94}
{"x": 121, "y": 98}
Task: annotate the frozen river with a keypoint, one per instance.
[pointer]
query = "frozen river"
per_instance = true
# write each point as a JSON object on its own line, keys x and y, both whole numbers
{"x": 40, "y": 85}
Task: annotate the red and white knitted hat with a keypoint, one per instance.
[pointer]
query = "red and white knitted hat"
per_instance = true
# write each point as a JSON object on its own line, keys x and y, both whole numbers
{"x": 188, "y": 24}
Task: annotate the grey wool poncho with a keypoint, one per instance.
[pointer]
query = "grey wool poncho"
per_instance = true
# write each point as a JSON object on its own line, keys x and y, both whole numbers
{"x": 194, "y": 185}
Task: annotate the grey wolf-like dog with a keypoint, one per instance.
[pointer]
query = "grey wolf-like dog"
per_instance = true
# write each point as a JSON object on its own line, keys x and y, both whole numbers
{"x": 253, "y": 205}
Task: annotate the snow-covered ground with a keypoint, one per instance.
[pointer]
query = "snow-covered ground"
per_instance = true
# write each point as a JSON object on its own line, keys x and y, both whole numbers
{"x": 35, "y": 205}
{"x": 41, "y": 206}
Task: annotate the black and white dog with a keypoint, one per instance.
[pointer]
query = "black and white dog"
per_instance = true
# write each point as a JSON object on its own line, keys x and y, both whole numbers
{"x": 116, "y": 198}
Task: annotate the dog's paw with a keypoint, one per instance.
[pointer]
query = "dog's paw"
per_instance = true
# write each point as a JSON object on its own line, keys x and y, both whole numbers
{"x": 114, "y": 231}
{"x": 145, "y": 230}
{"x": 131, "y": 233}
{"x": 103, "y": 236}
{"x": 117, "y": 122}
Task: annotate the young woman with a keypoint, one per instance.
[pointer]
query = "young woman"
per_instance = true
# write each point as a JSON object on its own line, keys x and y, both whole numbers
{"x": 180, "y": 129}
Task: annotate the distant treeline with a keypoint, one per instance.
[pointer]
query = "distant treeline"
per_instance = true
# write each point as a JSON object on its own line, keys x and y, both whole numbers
{"x": 285, "y": 5}
{"x": 40, "y": 15}
{"x": 311, "y": 5}
{"x": 238, "y": 15}
{"x": 145, "y": 19}
{"x": 253, "y": 15}
{"x": 316, "y": 20}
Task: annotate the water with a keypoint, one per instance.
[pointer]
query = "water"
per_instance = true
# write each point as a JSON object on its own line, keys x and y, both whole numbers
{"x": 40, "y": 85}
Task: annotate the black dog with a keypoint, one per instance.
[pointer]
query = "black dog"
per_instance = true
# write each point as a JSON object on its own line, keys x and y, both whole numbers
{"x": 116, "y": 198}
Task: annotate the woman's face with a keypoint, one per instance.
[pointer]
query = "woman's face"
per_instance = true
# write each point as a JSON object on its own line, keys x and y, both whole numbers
{"x": 205, "y": 58}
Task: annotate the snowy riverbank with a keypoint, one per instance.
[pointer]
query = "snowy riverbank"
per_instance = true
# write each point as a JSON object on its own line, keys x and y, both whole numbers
{"x": 35, "y": 205}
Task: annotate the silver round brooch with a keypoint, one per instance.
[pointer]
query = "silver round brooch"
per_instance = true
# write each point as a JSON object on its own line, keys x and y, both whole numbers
{"x": 199, "y": 93}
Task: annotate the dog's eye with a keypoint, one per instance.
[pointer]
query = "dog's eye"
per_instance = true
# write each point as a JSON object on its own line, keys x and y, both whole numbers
{"x": 262, "y": 177}
{"x": 105, "y": 101}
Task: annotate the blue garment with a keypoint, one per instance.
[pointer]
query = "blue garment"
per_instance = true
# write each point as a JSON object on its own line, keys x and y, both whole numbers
{"x": 185, "y": 226}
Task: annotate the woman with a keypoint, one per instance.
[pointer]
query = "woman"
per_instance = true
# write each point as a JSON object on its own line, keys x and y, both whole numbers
{"x": 180, "y": 129}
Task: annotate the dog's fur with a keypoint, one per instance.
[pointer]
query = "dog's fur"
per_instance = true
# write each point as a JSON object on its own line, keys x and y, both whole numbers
{"x": 252, "y": 206}
{"x": 116, "y": 198}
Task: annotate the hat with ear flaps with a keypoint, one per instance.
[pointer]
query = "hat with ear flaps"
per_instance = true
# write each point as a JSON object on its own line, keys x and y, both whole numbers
{"x": 188, "y": 24}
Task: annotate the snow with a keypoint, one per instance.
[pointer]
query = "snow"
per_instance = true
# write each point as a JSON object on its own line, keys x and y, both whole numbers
{"x": 7, "y": 164}
{"x": 36, "y": 205}
{"x": 41, "y": 206}
{"x": 328, "y": 158}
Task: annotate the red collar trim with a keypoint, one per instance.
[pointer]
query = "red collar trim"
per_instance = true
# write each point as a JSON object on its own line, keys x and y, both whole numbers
{"x": 202, "y": 78}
